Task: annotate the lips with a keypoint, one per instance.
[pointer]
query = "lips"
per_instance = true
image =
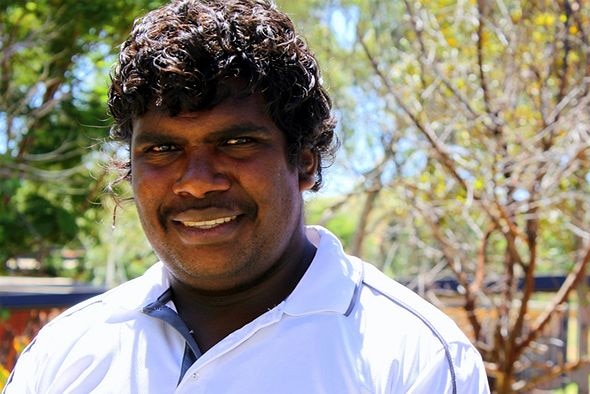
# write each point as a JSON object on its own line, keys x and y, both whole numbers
{"x": 213, "y": 221}
{"x": 199, "y": 229}
{"x": 208, "y": 224}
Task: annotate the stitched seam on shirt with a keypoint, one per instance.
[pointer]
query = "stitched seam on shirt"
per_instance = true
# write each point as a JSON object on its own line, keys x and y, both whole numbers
{"x": 430, "y": 326}
{"x": 67, "y": 314}
{"x": 357, "y": 292}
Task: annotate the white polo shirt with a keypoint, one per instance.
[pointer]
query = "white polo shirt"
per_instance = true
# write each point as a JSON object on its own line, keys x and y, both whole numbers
{"x": 346, "y": 328}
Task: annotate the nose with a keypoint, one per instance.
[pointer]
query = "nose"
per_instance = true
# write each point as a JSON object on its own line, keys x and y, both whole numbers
{"x": 202, "y": 174}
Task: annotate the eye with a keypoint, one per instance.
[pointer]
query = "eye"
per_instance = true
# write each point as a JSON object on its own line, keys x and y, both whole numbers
{"x": 162, "y": 148}
{"x": 238, "y": 141}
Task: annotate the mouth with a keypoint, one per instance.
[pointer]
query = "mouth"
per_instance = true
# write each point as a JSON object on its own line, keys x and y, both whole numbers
{"x": 208, "y": 224}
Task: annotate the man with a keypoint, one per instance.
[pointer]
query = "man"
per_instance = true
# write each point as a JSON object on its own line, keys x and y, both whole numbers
{"x": 221, "y": 105}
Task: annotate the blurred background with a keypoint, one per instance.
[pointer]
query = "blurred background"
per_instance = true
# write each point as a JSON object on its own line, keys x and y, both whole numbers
{"x": 464, "y": 170}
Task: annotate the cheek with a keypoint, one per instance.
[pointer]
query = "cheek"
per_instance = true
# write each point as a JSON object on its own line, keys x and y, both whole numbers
{"x": 140, "y": 192}
{"x": 150, "y": 179}
{"x": 271, "y": 187}
{"x": 285, "y": 195}
{"x": 148, "y": 189}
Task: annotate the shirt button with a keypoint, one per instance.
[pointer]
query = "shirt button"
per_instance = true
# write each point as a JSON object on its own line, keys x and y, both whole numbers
{"x": 195, "y": 376}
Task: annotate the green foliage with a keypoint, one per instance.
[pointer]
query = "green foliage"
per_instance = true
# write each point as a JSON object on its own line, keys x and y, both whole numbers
{"x": 121, "y": 250}
{"x": 54, "y": 64}
{"x": 491, "y": 115}
{"x": 466, "y": 121}
{"x": 343, "y": 224}
{"x": 465, "y": 127}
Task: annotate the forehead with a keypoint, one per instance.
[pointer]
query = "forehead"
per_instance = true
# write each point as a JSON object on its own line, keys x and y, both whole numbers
{"x": 233, "y": 111}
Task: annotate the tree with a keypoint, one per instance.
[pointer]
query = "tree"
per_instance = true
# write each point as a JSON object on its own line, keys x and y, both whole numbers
{"x": 471, "y": 121}
{"x": 54, "y": 62}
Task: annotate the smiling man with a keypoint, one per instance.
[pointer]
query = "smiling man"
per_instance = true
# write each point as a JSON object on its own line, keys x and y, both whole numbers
{"x": 221, "y": 105}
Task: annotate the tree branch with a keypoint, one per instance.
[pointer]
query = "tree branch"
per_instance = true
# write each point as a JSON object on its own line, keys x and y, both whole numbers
{"x": 573, "y": 278}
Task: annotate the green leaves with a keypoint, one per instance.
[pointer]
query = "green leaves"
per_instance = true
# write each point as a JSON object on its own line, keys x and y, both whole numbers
{"x": 53, "y": 223}
{"x": 54, "y": 62}
{"x": 471, "y": 123}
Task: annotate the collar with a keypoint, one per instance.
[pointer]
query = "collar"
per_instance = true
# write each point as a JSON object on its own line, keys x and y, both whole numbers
{"x": 331, "y": 283}
{"x": 131, "y": 297}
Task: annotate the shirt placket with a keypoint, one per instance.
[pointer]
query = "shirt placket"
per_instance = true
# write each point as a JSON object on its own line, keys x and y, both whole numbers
{"x": 199, "y": 376}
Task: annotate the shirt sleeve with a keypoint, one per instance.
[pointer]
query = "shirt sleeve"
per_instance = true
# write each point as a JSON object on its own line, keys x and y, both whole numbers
{"x": 467, "y": 375}
{"x": 22, "y": 379}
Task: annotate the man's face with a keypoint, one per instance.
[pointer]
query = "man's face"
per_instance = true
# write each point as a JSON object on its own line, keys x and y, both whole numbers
{"x": 216, "y": 196}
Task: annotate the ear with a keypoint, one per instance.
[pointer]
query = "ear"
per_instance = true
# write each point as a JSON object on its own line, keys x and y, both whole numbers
{"x": 307, "y": 165}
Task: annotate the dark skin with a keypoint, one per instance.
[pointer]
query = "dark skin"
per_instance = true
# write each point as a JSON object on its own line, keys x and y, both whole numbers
{"x": 221, "y": 205}
{"x": 212, "y": 317}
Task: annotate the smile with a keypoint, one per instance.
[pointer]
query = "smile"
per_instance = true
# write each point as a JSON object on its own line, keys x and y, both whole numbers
{"x": 208, "y": 224}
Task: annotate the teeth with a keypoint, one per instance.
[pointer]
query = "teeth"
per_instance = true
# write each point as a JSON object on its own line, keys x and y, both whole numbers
{"x": 207, "y": 224}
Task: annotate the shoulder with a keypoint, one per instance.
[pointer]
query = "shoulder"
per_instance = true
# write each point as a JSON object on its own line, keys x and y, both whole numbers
{"x": 119, "y": 303}
{"x": 404, "y": 342}
{"x": 428, "y": 350}
{"x": 87, "y": 332}
{"x": 382, "y": 292}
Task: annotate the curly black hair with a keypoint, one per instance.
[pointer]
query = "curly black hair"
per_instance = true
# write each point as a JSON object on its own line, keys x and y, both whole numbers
{"x": 183, "y": 56}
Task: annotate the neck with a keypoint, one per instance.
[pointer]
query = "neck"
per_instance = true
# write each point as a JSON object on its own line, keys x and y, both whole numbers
{"x": 214, "y": 315}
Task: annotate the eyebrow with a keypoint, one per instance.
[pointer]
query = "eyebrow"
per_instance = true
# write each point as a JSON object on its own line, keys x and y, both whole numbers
{"x": 237, "y": 129}
{"x": 155, "y": 138}
{"x": 158, "y": 137}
